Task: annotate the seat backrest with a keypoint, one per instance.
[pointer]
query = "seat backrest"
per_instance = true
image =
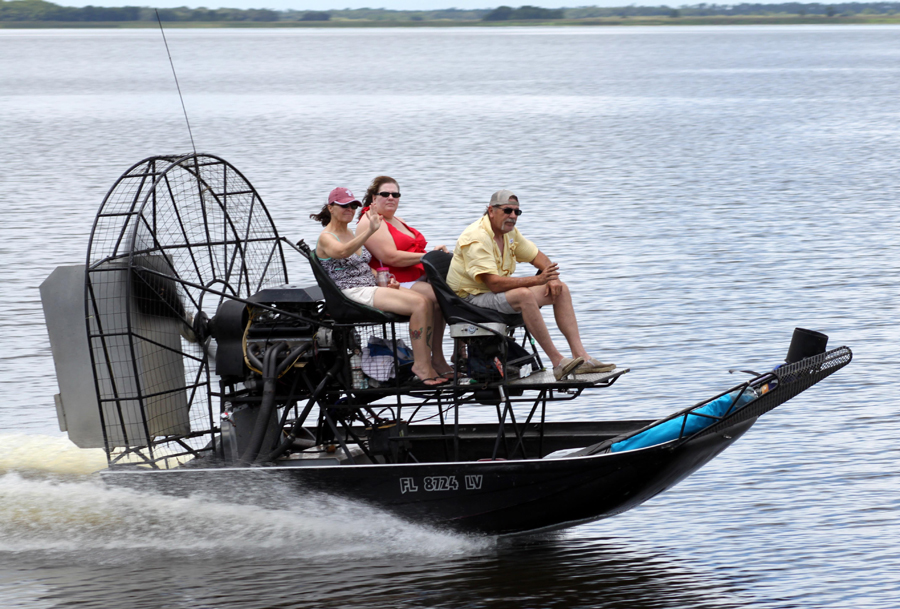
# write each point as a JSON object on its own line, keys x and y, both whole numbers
{"x": 454, "y": 308}
{"x": 342, "y": 309}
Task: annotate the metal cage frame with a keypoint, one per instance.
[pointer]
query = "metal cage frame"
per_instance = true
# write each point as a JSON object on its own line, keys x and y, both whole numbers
{"x": 175, "y": 234}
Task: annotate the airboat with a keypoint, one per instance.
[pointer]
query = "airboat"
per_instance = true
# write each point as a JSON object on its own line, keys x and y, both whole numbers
{"x": 182, "y": 349}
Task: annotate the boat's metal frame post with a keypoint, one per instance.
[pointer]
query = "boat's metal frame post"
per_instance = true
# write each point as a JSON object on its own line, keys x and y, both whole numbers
{"x": 520, "y": 441}
{"x": 457, "y": 393}
{"x": 314, "y": 399}
{"x": 440, "y": 407}
{"x": 213, "y": 428}
{"x": 500, "y": 431}
{"x": 543, "y": 416}
{"x": 396, "y": 368}
{"x": 337, "y": 435}
{"x": 534, "y": 350}
{"x": 521, "y": 437}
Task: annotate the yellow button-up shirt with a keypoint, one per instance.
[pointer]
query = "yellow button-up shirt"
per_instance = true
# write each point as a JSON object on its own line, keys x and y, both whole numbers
{"x": 476, "y": 253}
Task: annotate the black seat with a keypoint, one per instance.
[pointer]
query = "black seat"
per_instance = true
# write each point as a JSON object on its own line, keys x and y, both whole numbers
{"x": 342, "y": 309}
{"x": 454, "y": 308}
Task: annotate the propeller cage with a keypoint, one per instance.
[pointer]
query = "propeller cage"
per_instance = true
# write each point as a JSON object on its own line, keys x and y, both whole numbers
{"x": 175, "y": 238}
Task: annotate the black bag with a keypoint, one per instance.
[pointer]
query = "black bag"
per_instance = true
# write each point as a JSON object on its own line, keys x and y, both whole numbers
{"x": 485, "y": 358}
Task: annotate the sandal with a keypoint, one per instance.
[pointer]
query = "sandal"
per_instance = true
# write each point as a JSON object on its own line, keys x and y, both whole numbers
{"x": 592, "y": 365}
{"x": 566, "y": 366}
{"x": 419, "y": 383}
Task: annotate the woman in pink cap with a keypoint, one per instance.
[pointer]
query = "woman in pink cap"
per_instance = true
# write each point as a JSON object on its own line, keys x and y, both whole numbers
{"x": 398, "y": 247}
{"x": 347, "y": 263}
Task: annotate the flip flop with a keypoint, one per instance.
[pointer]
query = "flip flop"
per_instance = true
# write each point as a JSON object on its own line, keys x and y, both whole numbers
{"x": 424, "y": 382}
{"x": 566, "y": 366}
{"x": 592, "y": 365}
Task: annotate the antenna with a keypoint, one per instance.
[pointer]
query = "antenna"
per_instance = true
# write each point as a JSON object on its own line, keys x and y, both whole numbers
{"x": 177, "y": 86}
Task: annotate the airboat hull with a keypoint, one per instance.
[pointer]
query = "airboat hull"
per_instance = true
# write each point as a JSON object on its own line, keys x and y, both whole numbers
{"x": 485, "y": 497}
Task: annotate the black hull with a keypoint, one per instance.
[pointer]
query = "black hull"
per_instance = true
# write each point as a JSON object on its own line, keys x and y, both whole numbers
{"x": 488, "y": 497}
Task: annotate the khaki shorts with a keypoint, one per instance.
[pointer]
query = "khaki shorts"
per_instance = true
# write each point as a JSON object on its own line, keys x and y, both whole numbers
{"x": 364, "y": 295}
{"x": 491, "y": 300}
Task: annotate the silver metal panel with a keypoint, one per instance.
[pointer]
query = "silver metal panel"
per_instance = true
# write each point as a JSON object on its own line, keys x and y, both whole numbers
{"x": 467, "y": 330}
{"x": 157, "y": 358}
{"x": 160, "y": 368}
{"x": 62, "y": 296}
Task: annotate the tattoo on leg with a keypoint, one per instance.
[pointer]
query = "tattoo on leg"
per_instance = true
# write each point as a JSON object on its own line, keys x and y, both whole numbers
{"x": 415, "y": 334}
{"x": 428, "y": 333}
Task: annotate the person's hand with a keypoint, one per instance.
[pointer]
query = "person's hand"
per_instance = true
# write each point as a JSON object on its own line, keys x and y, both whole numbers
{"x": 554, "y": 288}
{"x": 393, "y": 283}
{"x": 374, "y": 220}
{"x": 443, "y": 248}
{"x": 551, "y": 273}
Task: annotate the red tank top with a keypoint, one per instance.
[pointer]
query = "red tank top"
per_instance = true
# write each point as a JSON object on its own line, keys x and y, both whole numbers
{"x": 404, "y": 243}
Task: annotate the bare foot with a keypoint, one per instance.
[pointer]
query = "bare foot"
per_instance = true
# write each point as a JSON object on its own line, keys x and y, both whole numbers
{"x": 443, "y": 369}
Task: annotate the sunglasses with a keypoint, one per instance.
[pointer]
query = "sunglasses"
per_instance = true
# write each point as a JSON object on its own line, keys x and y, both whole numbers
{"x": 387, "y": 195}
{"x": 509, "y": 210}
{"x": 351, "y": 204}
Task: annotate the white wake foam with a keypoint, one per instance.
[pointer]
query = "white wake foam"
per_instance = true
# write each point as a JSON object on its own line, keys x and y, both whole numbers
{"x": 49, "y": 454}
{"x": 50, "y": 502}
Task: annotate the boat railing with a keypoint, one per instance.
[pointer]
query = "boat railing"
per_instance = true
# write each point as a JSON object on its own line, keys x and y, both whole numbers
{"x": 740, "y": 403}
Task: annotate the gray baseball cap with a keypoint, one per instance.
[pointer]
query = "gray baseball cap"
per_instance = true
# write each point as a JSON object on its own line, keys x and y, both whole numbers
{"x": 503, "y": 196}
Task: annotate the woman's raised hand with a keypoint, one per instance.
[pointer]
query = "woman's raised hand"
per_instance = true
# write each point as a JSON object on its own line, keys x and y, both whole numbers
{"x": 374, "y": 221}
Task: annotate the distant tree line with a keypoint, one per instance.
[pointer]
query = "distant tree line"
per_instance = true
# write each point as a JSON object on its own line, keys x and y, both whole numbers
{"x": 709, "y": 10}
{"x": 316, "y": 16}
{"x": 381, "y": 14}
{"x": 40, "y": 10}
{"x": 507, "y": 13}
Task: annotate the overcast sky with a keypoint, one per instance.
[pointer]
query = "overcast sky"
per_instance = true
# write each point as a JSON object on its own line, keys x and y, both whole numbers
{"x": 318, "y": 5}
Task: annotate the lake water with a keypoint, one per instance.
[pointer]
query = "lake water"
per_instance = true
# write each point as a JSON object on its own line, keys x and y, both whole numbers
{"x": 705, "y": 191}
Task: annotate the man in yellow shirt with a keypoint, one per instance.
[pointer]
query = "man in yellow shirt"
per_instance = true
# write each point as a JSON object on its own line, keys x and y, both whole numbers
{"x": 481, "y": 273}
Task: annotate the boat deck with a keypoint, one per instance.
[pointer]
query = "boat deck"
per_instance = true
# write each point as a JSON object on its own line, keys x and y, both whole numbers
{"x": 543, "y": 379}
{"x": 539, "y": 380}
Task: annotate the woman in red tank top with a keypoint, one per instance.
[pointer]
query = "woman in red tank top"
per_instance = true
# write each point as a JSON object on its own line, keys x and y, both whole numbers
{"x": 399, "y": 247}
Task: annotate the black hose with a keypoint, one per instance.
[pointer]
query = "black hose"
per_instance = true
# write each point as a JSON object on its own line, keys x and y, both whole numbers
{"x": 291, "y": 357}
{"x": 265, "y": 409}
{"x": 252, "y": 357}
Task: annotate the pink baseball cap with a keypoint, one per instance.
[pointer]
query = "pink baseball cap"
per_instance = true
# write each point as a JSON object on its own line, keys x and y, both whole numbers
{"x": 342, "y": 196}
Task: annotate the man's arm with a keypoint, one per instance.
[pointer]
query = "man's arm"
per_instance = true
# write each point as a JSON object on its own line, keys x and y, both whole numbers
{"x": 549, "y": 272}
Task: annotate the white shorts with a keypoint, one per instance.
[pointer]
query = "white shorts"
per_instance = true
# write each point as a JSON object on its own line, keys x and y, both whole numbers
{"x": 410, "y": 284}
{"x": 364, "y": 295}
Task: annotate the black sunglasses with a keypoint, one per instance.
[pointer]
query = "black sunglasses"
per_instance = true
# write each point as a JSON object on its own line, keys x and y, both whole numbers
{"x": 386, "y": 195}
{"x": 510, "y": 210}
{"x": 351, "y": 204}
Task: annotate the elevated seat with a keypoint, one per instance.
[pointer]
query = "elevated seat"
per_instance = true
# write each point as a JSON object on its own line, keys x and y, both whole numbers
{"x": 342, "y": 309}
{"x": 468, "y": 322}
{"x": 455, "y": 309}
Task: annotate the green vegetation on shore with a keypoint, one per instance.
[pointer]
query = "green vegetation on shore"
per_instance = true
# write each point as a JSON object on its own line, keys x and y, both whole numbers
{"x": 40, "y": 13}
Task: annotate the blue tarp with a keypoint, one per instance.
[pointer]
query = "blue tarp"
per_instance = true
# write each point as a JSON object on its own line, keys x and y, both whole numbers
{"x": 670, "y": 430}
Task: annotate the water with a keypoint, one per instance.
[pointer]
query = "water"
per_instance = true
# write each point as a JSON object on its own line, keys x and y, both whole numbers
{"x": 705, "y": 191}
